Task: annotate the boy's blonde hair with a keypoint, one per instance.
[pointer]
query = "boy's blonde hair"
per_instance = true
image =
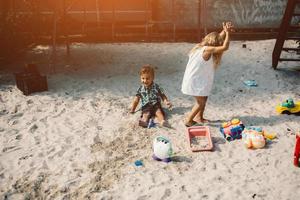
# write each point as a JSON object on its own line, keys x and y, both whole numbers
{"x": 147, "y": 69}
{"x": 211, "y": 39}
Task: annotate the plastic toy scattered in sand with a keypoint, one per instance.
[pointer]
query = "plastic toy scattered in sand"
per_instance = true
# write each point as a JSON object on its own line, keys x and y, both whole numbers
{"x": 250, "y": 83}
{"x": 253, "y": 138}
{"x": 138, "y": 163}
{"x": 162, "y": 148}
{"x": 297, "y": 151}
{"x": 232, "y": 130}
{"x": 288, "y": 107}
{"x": 200, "y": 138}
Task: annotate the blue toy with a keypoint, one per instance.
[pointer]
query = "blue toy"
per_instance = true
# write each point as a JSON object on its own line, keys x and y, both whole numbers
{"x": 232, "y": 130}
{"x": 257, "y": 129}
{"x": 138, "y": 163}
{"x": 250, "y": 83}
{"x": 151, "y": 123}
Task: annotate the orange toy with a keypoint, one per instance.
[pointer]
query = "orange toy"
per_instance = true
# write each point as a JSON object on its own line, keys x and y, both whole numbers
{"x": 253, "y": 139}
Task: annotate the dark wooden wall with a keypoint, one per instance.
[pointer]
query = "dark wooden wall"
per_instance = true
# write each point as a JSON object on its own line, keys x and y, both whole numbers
{"x": 243, "y": 13}
{"x": 189, "y": 15}
{"x": 247, "y": 13}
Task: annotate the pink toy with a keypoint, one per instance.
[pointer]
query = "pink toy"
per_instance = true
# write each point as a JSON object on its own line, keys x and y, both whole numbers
{"x": 200, "y": 138}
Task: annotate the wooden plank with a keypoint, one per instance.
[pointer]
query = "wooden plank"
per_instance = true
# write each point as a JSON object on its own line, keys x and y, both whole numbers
{"x": 294, "y": 27}
{"x": 289, "y": 59}
{"x": 290, "y": 49}
{"x": 292, "y": 38}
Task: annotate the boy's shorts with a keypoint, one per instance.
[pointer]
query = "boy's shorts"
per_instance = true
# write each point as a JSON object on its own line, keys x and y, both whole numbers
{"x": 152, "y": 109}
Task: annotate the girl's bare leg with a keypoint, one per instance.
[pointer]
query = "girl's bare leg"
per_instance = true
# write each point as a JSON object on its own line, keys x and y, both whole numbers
{"x": 197, "y": 111}
{"x": 199, "y": 116}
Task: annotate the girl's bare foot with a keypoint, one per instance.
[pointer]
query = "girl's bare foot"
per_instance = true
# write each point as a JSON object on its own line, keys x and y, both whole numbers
{"x": 189, "y": 123}
{"x": 200, "y": 121}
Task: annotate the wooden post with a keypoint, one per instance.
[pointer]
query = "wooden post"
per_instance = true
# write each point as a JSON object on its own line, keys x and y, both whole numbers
{"x": 204, "y": 16}
{"x": 54, "y": 34}
{"x": 4, "y": 12}
{"x": 199, "y": 20}
{"x": 113, "y": 21}
{"x": 12, "y": 31}
{"x": 84, "y": 19}
{"x": 65, "y": 24}
{"x": 147, "y": 19}
{"x": 97, "y": 13}
{"x": 38, "y": 17}
{"x": 173, "y": 20}
{"x": 14, "y": 10}
{"x": 4, "y": 33}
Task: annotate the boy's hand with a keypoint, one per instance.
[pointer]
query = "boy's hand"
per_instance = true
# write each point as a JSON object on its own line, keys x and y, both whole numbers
{"x": 168, "y": 104}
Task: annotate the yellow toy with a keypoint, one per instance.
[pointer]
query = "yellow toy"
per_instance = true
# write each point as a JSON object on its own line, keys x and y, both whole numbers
{"x": 288, "y": 107}
{"x": 268, "y": 135}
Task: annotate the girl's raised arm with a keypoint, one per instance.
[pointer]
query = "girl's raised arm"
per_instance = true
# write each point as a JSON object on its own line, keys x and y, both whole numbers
{"x": 219, "y": 49}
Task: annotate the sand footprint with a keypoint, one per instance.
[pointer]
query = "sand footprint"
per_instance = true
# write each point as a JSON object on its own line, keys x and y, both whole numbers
{"x": 37, "y": 140}
{"x": 205, "y": 196}
{"x": 166, "y": 194}
{"x": 144, "y": 197}
{"x": 60, "y": 113}
{"x": 33, "y": 128}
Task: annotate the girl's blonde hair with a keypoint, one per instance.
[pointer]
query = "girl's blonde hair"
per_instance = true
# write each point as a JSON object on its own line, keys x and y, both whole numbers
{"x": 211, "y": 39}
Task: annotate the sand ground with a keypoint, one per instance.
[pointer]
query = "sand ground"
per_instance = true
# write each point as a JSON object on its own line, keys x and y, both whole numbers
{"x": 77, "y": 140}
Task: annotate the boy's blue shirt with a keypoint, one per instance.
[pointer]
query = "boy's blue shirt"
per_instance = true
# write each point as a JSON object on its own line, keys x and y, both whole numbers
{"x": 151, "y": 95}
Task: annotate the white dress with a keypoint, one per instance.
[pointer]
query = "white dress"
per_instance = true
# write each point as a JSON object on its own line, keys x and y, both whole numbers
{"x": 199, "y": 75}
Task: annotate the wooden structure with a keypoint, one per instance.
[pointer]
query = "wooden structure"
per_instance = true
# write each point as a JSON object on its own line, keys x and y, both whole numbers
{"x": 122, "y": 23}
{"x": 135, "y": 21}
{"x": 287, "y": 31}
{"x": 60, "y": 21}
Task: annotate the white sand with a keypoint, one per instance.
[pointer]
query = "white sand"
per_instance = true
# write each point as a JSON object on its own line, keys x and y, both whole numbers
{"x": 77, "y": 140}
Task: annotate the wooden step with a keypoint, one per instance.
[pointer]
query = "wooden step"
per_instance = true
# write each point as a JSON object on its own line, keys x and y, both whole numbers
{"x": 285, "y": 31}
{"x": 292, "y": 38}
{"x": 294, "y": 27}
{"x": 290, "y": 49}
{"x": 289, "y": 59}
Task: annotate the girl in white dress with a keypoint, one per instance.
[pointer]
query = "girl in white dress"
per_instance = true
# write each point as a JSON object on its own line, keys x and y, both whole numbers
{"x": 198, "y": 78}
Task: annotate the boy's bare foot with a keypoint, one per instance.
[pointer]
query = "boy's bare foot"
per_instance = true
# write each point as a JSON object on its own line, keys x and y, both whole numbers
{"x": 164, "y": 123}
{"x": 143, "y": 124}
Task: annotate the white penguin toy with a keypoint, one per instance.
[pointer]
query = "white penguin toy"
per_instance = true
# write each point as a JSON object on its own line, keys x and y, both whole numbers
{"x": 162, "y": 148}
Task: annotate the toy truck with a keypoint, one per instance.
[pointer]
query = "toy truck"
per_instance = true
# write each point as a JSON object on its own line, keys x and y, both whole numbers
{"x": 232, "y": 130}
